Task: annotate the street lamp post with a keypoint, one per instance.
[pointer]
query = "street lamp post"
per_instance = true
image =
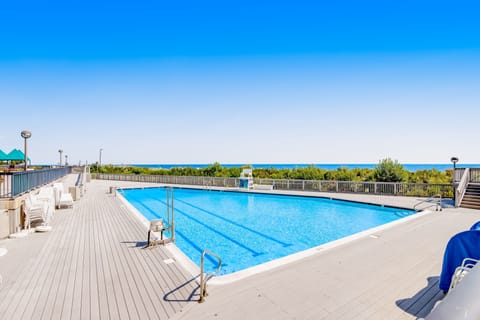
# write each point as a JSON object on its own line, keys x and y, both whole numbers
{"x": 99, "y": 159}
{"x": 454, "y": 160}
{"x": 60, "y": 151}
{"x": 25, "y": 135}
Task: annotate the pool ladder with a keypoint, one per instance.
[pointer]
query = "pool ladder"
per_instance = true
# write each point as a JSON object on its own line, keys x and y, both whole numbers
{"x": 205, "y": 277}
{"x": 434, "y": 201}
{"x": 170, "y": 212}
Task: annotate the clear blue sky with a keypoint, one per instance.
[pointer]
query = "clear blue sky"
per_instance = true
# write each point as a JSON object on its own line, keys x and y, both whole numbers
{"x": 241, "y": 81}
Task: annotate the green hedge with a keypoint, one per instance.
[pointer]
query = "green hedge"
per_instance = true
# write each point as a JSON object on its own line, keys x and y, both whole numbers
{"x": 386, "y": 171}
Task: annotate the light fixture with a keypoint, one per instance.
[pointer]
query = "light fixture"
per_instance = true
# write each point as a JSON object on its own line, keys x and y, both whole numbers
{"x": 25, "y": 135}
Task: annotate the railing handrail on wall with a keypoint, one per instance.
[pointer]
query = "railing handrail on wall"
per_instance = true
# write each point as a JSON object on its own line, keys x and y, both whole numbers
{"x": 365, "y": 187}
{"x": 474, "y": 175}
{"x": 462, "y": 187}
{"x": 13, "y": 184}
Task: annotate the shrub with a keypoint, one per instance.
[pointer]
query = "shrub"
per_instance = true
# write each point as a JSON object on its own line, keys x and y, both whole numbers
{"x": 388, "y": 170}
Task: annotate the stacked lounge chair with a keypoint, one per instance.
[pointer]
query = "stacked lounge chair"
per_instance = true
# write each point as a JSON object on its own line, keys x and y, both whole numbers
{"x": 36, "y": 212}
{"x": 62, "y": 198}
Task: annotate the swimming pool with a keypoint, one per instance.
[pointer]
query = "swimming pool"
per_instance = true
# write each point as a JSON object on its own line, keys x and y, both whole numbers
{"x": 247, "y": 229}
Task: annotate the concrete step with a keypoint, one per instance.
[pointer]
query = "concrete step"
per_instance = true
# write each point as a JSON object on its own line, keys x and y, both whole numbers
{"x": 471, "y": 199}
{"x": 470, "y": 206}
{"x": 471, "y": 202}
{"x": 472, "y": 194}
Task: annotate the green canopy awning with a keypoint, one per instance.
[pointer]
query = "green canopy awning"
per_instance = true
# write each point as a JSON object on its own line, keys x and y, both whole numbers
{"x": 3, "y": 156}
{"x": 16, "y": 155}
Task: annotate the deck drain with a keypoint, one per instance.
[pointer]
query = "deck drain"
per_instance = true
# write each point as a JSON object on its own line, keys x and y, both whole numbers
{"x": 168, "y": 261}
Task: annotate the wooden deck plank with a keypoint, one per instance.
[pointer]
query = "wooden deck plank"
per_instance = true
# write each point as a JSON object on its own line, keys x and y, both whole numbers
{"x": 111, "y": 309}
{"x": 66, "y": 245}
{"x": 55, "y": 280}
{"x": 124, "y": 273}
{"x": 157, "y": 264}
{"x": 138, "y": 287}
{"x": 116, "y": 280}
{"x": 143, "y": 284}
{"x": 62, "y": 300}
{"x": 147, "y": 269}
{"x": 34, "y": 283}
{"x": 94, "y": 284}
{"x": 102, "y": 303}
{"x": 28, "y": 289}
{"x": 90, "y": 268}
{"x": 88, "y": 289}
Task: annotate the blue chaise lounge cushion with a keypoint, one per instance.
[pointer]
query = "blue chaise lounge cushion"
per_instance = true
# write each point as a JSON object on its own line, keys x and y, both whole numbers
{"x": 463, "y": 245}
{"x": 476, "y": 226}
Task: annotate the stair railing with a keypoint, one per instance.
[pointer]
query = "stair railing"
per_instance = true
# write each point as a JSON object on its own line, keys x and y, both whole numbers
{"x": 462, "y": 187}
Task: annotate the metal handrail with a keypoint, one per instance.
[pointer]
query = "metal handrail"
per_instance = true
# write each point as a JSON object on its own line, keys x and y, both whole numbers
{"x": 437, "y": 204}
{"x": 13, "y": 184}
{"x": 170, "y": 212}
{"x": 204, "y": 278}
{"x": 462, "y": 187}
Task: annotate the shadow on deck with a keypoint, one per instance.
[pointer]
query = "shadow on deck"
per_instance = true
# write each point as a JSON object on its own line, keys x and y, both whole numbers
{"x": 423, "y": 301}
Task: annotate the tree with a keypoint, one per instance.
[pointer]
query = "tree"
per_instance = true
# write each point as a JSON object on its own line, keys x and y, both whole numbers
{"x": 389, "y": 170}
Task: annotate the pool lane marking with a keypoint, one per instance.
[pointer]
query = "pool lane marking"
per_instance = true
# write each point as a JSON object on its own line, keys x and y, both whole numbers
{"x": 254, "y": 253}
{"x": 236, "y": 224}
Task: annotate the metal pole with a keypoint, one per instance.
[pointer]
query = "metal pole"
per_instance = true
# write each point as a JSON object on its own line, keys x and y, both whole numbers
{"x": 454, "y": 186}
{"x": 25, "y": 135}
{"x": 454, "y": 161}
{"x": 202, "y": 280}
{"x": 173, "y": 218}
{"x": 25, "y": 149}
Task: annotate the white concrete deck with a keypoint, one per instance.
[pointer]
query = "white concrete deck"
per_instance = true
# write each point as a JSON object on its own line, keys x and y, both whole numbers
{"x": 91, "y": 266}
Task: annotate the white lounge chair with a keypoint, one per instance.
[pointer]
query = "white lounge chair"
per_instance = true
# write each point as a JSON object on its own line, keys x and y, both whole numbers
{"x": 462, "y": 301}
{"x": 47, "y": 194}
{"x": 461, "y": 271}
{"x": 62, "y": 198}
{"x": 35, "y": 213}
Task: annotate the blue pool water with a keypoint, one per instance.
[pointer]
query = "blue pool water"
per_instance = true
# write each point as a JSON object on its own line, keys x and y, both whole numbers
{"x": 247, "y": 229}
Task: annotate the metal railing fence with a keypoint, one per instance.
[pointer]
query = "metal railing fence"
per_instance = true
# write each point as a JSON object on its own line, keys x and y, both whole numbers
{"x": 474, "y": 175}
{"x": 379, "y": 188}
{"x": 13, "y": 184}
{"x": 462, "y": 187}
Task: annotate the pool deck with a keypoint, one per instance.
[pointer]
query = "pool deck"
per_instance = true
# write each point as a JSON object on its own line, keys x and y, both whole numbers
{"x": 92, "y": 266}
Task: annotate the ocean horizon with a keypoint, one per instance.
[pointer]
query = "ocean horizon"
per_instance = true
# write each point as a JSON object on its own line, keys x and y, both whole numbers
{"x": 328, "y": 166}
